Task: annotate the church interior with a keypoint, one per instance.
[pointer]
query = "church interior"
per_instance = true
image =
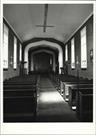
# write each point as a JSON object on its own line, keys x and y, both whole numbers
{"x": 48, "y": 62}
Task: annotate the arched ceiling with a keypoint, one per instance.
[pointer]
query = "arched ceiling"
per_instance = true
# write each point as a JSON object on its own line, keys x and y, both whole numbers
{"x": 43, "y": 51}
{"x": 33, "y": 49}
{"x": 65, "y": 18}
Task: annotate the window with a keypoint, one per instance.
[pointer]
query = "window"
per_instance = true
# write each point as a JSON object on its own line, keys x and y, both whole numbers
{"x": 83, "y": 48}
{"x": 72, "y": 54}
{"x": 20, "y": 54}
{"x": 5, "y": 46}
{"x": 66, "y": 53}
{"x": 15, "y": 53}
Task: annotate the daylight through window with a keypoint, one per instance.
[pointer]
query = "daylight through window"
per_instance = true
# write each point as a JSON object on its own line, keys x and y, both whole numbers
{"x": 5, "y": 47}
{"x": 15, "y": 53}
{"x": 83, "y": 48}
{"x": 72, "y": 54}
{"x": 66, "y": 53}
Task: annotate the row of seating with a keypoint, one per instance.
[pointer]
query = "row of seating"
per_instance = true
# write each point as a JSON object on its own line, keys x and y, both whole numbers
{"x": 78, "y": 92}
{"x": 20, "y": 98}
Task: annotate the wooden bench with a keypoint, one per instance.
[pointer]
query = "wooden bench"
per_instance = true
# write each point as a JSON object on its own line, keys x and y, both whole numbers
{"x": 58, "y": 78}
{"x": 85, "y": 106}
{"x": 74, "y": 89}
{"x": 19, "y": 106}
{"x": 65, "y": 87}
{"x": 82, "y": 100}
{"x": 65, "y": 78}
{"x": 20, "y": 99}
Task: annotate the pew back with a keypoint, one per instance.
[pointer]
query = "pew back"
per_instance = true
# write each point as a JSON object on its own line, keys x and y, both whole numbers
{"x": 20, "y": 97}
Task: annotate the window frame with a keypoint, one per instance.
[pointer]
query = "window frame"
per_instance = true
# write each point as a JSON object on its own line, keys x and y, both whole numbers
{"x": 73, "y": 53}
{"x": 83, "y": 38}
{"x": 20, "y": 52}
{"x": 66, "y": 52}
{"x": 5, "y": 46}
{"x": 15, "y": 54}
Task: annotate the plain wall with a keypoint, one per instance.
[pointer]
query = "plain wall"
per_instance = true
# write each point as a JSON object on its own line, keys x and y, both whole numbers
{"x": 10, "y": 72}
{"x": 86, "y": 73}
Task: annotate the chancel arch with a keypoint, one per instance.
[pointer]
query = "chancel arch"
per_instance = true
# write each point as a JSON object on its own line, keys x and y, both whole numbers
{"x": 46, "y": 44}
{"x": 47, "y": 51}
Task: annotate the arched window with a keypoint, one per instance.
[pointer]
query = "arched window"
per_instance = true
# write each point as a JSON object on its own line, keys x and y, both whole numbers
{"x": 5, "y": 46}
{"x": 83, "y": 48}
{"x": 72, "y": 54}
{"x": 15, "y": 53}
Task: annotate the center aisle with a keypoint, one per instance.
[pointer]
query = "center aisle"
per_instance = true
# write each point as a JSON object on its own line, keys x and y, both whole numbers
{"x": 51, "y": 107}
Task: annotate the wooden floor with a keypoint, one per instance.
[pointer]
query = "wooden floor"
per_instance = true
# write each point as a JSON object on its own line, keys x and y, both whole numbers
{"x": 51, "y": 107}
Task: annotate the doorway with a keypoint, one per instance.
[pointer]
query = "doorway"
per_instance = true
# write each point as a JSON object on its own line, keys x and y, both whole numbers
{"x": 43, "y": 62}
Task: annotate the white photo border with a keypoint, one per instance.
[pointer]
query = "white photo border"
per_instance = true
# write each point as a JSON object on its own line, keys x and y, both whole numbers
{"x": 47, "y": 128}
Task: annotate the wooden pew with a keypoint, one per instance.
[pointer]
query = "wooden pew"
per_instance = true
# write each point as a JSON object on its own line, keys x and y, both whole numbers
{"x": 65, "y": 78}
{"x": 74, "y": 89}
{"x": 19, "y": 86}
{"x": 16, "y": 109}
{"x": 20, "y": 99}
{"x": 26, "y": 78}
{"x": 82, "y": 100}
{"x": 59, "y": 78}
{"x": 65, "y": 87}
{"x": 20, "y": 102}
{"x": 85, "y": 106}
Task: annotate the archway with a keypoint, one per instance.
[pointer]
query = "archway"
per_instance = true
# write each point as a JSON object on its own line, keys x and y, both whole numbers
{"x": 44, "y": 43}
{"x": 43, "y": 50}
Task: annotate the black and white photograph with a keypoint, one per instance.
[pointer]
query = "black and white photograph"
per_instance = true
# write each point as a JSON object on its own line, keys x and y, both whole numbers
{"x": 48, "y": 67}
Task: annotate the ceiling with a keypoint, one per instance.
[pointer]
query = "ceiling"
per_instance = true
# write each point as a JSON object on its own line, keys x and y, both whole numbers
{"x": 65, "y": 18}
